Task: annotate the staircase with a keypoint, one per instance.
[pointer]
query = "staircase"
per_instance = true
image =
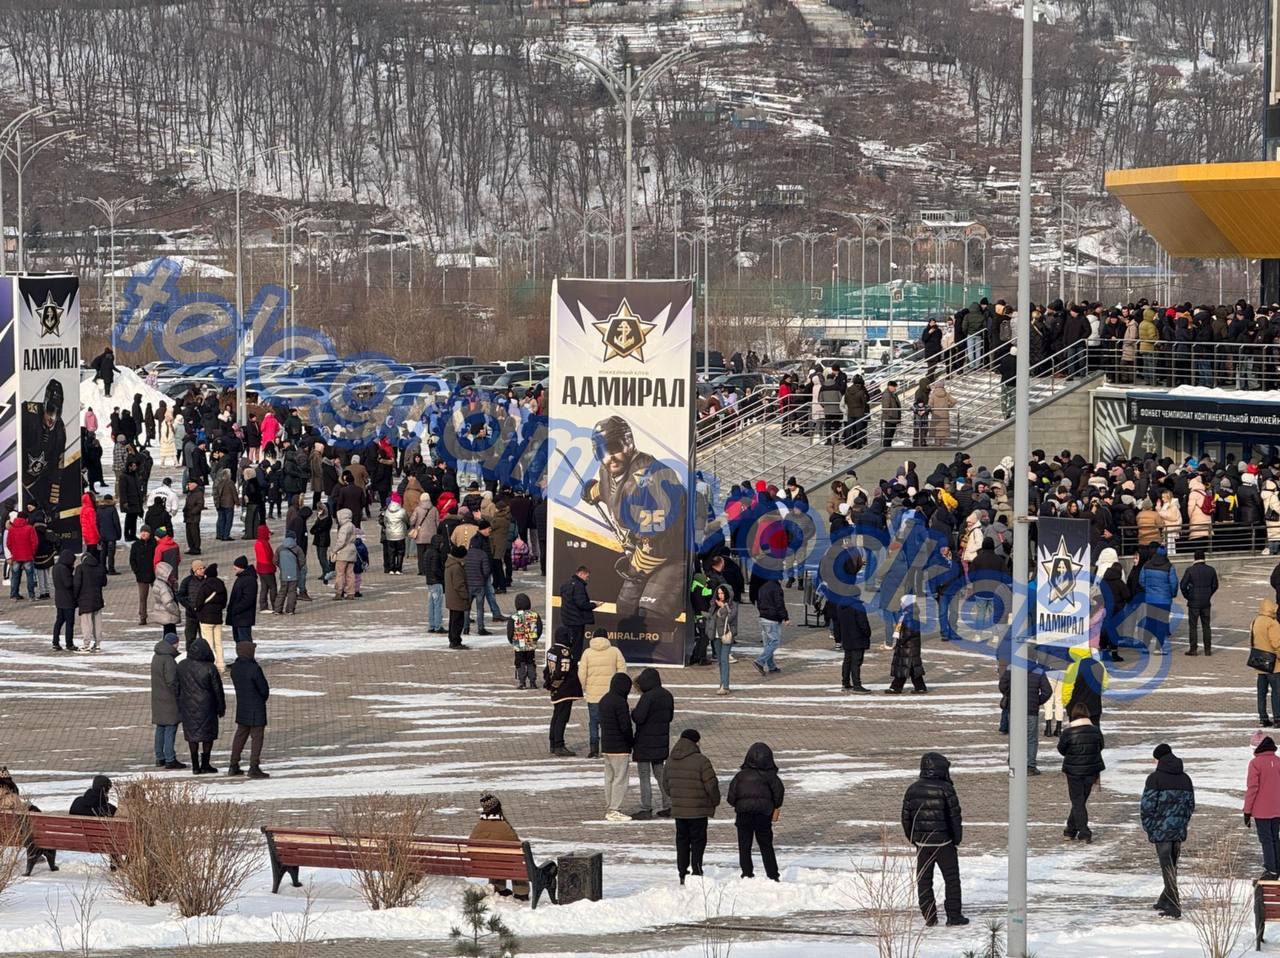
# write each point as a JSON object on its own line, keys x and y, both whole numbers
{"x": 978, "y": 411}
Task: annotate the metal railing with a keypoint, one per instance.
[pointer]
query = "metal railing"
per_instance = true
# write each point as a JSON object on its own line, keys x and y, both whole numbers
{"x": 1247, "y": 366}
{"x": 1215, "y": 538}
{"x": 965, "y": 423}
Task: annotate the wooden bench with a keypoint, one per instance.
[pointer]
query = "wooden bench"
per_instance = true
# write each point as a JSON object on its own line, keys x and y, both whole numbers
{"x": 293, "y": 848}
{"x": 68, "y": 833}
{"x": 1266, "y": 904}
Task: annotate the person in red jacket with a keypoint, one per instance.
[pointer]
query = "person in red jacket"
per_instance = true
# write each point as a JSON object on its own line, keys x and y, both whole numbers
{"x": 264, "y": 563}
{"x": 89, "y": 523}
{"x": 166, "y": 550}
{"x": 22, "y": 542}
{"x": 1262, "y": 804}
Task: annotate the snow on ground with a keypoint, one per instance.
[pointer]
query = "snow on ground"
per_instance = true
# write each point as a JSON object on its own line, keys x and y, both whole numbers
{"x": 640, "y": 897}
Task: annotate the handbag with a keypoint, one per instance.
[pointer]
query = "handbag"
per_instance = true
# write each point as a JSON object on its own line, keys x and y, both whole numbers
{"x": 1262, "y": 661}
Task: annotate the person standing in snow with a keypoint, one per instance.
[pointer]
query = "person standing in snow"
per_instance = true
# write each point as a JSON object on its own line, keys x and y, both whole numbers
{"x": 164, "y": 700}
{"x": 524, "y": 631}
{"x": 1168, "y": 802}
{"x": 1262, "y": 805}
{"x": 652, "y": 717}
{"x": 560, "y": 678}
{"x": 689, "y": 780}
{"x": 1081, "y": 746}
{"x": 933, "y": 823}
{"x": 616, "y": 741}
{"x": 252, "y": 692}
{"x": 756, "y": 795}
{"x": 596, "y": 669}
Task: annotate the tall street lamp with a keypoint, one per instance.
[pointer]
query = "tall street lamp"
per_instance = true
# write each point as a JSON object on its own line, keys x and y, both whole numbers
{"x": 864, "y": 220}
{"x": 707, "y": 194}
{"x": 7, "y": 134}
{"x": 288, "y": 221}
{"x": 20, "y": 156}
{"x": 111, "y": 209}
{"x": 629, "y": 92}
{"x": 240, "y": 169}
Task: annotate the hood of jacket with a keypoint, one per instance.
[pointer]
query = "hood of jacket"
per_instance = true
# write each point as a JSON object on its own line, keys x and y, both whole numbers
{"x": 1267, "y": 607}
{"x": 599, "y": 643}
{"x": 68, "y": 558}
{"x": 683, "y": 749}
{"x": 620, "y": 684}
{"x": 244, "y": 650}
{"x": 1080, "y": 652}
{"x": 200, "y": 651}
{"x": 344, "y": 516}
{"x": 163, "y": 570}
{"x": 648, "y": 680}
{"x": 1169, "y": 764}
{"x": 89, "y": 559}
{"x": 760, "y": 756}
{"x": 165, "y": 647}
{"x": 1159, "y": 561}
{"x": 264, "y": 534}
{"x": 935, "y": 765}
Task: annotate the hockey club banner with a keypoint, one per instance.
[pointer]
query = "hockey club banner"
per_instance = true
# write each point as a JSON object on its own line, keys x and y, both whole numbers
{"x": 1064, "y": 574}
{"x": 8, "y": 395}
{"x": 621, "y": 419}
{"x": 48, "y": 366}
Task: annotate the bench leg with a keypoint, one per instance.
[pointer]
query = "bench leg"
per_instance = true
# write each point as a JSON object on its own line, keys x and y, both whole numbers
{"x": 1259, "y": 917}
{"x": 293, "y": 874}
{"x": 277, "y": 873}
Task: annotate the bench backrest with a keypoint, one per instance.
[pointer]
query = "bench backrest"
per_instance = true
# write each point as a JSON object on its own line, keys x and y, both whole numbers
{"x": 1270, "y": 894}
{"x": 430, "y": 855}
{"x": 78, "y": 833}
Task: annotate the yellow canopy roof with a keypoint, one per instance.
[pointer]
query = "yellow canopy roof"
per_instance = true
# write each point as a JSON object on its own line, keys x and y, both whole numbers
{"x": 1206, "y": 210}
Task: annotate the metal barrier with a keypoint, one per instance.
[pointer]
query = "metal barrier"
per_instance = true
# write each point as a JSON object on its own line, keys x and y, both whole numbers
{"x": 1247, "y": 366}
{"x": 1216, "y": 538}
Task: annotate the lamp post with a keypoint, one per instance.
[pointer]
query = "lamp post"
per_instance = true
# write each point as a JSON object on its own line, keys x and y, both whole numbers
{"x": 1062, "y": 207}
{"x": 241, "y": 169}
{"x": 628, "y": 92}
{"x": 111, "y": 209}
{"x": 1074, "y": 211}
{"x": 6, "y": 136}
{"x": 864, "y": 220}
{"x": 20, "y": 157}
{"x": 584, "y": 218}
{"x": 706, "y": 195}
{"x": 288, "y": 221}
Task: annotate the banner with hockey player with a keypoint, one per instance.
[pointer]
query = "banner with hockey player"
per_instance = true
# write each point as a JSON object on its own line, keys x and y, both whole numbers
{"x": 621, "y": 409}
{"x": 8, "y": 394}
{"x": 48, "y": 361}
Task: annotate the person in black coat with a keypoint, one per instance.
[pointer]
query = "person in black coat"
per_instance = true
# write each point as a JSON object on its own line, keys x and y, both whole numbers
{"x": 88, "y": 582}
{"x": 1039, "y": 691}
{"x": 560, "y": 678}
{"x": 210, "y": 603}
{"x": 933, "y": 823}
{"x": 771, "y": 605}
{"x": 242, "y": 605}
{"x": 1198, "y": 585}
{"x": 616, "y": 741}
{"x": 252, "y": 692}
{"x": 577, "y": 611}
{"x": 142, "y": 564}
{"x": 907, "y": 662}
{"x": 1081, "y": 748}
{"x": 652, "y": 717}
{"x": 132, "y": 496}
{"x": 479, "y": 568}
{"x": 201, "y": 703}
{"x": 94, "y": 802}
{"x": 853, "y": 633}
{"x": 756, "y": 795}
{"x": 64, "y": 598}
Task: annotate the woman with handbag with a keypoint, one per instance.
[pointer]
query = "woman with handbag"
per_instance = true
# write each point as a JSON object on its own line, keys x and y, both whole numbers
{"x": 1264, "y": 645}
{"x": 724, "y": 624}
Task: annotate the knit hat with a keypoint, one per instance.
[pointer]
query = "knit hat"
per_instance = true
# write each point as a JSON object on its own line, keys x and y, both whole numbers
{"x": 692, "y": 735}
{"x": 1162, "y": 750}
{"x": 241, "y": 562}
{"x": 490, "y": 806}
{"x": 1266, "y": 745}
{"x": 171, "y": 638}
{"x": 600, "y": 634}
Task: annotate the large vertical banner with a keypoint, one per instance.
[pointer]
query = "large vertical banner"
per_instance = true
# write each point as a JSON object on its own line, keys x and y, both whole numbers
{"x": 621, "y": 423}
{"x": 8, "y": 393}
{"x": 1064, "y": 574}
{"x": 48, "y": 361}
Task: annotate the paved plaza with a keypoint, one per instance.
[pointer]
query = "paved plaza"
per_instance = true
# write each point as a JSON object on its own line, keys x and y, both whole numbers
{"x": 364, "y": 700}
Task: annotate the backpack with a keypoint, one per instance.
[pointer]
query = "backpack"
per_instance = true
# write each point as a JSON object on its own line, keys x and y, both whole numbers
{"x": 362, "y": 556}
{"x": 524, "y": 630}
{"x": 1206, "y": 503}
{"x": 1005, "y": 330}
{"x": 519, "y": 554}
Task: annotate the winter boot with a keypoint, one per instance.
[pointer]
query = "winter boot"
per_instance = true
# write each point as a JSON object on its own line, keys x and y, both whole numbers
{"x": 1048, "y": 728}
{"x": 1057, "y": 729}
{"x": 234, "y": 771}
{"x": 256, "y": 772}
{"x": 520, "y": 676}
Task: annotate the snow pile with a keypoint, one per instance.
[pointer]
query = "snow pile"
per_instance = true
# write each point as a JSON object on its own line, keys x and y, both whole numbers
{"x": 127, "y": 384}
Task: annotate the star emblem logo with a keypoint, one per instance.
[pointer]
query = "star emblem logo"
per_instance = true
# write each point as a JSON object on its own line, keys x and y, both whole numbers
{"x": 624, "y": 333}
{"x": 1061, "y": 570}
{"x": 50, "y": 314}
